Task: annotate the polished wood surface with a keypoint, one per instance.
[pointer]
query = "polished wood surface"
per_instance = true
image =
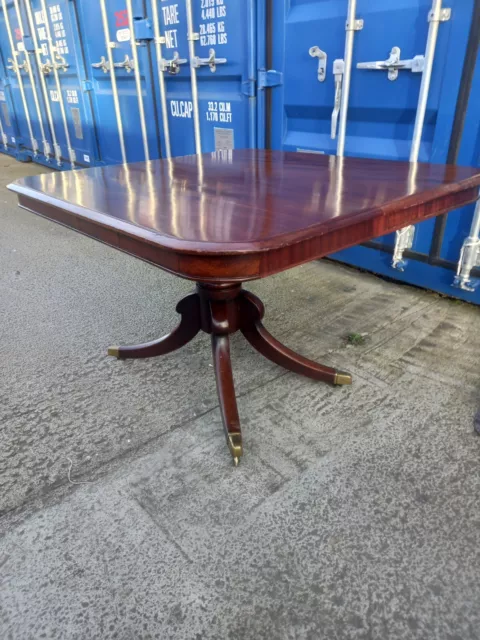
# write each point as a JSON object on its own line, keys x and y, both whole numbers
{"x": 245, "y": 214}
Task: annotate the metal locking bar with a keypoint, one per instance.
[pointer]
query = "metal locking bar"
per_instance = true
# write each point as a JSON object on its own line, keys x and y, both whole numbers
{"x": 173, "y": 66}
{"x": 107, "y": 67}
{"x": 192, "y": 36}
{"x": 138, "y": 80}
{"x": 316, "y": 52}
{"x": 127, "y": 64}
{"x": 353, "y": 24}
{"x": 211, "y": 61}
{"x": 53, "y": 54}
{"x": 404, "y": 237}
{"x": 57, "y": 151}
{"x": 45, "y": 143}
{"x": 16, "y": 70}
{"x": 159, "y": 40}
{"x": 394, "y": 63}
{"x": 104, "y": 65}
{"x": 338, "y": 71}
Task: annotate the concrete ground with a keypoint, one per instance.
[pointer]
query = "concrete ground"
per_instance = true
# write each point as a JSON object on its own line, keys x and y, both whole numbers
{"x": 354, "y": 513}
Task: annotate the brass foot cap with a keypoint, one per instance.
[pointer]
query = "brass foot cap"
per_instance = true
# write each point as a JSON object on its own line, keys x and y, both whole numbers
{"x": 234, "y": 441}
{"x": 342, "y": 378}
{"x": 114, "y": 351}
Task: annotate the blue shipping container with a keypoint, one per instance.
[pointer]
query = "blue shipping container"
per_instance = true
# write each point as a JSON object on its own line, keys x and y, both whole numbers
{"x": 85, "y": 83}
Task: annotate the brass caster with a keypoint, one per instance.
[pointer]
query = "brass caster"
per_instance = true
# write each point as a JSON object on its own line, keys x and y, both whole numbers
{"x": 342, "y": 378}
{"x": 113, "y": 351}
{"x": 234, "y": 442}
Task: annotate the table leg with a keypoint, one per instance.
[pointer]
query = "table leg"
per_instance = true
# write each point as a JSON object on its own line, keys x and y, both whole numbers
{"x": 226, "y": 394}
{"x": 189, "y": 309}
{"x": 271, "y": 348}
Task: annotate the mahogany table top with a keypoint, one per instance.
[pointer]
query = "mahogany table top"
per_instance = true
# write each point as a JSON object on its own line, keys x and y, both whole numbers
{"x": 240, "y": 215}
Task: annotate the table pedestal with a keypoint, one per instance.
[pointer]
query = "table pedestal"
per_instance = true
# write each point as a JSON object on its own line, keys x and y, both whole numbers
{"x": 222, "y": 309}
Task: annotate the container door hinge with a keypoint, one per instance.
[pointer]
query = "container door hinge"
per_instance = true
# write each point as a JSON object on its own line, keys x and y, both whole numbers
{"x": 248, "y": 88}
{"x": 270, "y": 78}
{"x": 87, "y": 85}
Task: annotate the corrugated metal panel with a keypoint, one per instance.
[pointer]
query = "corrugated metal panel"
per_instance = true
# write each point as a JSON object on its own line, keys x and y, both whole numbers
{"x": 382, "y": 106}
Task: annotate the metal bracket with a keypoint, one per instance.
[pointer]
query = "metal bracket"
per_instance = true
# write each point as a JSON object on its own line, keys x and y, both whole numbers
{"x": 468, "y": 260}
{"x": 270, "y": 78}
{"x": 15, "y": 66}
{"x": 404, "y": 241}
{"x": 104, "y": 65}
{"x": 393, "y": 64}
{"x": 47, "y": 150}
{"x": 445, "y": 15}
{"x": 72, "y": 155}
{"x": 173, "y": 66}
{"x": 5, "y": 140}
{"x": 357, "y": 25}
{"x": 211, "y": 61}
{"x": 338, "y": 71}
{"x": 316, "y": 52}
{"x": 62, "y": 64}
{"x": 58, "y": 154}
{"x": 127, "y": 64}
{"x": 46, "y": 68}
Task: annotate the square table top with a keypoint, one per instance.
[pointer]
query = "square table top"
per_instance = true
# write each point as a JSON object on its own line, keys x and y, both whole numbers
{"x": 246, "y": 203}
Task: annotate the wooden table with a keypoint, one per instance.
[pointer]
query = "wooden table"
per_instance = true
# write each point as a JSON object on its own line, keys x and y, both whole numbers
{"x": 224, "y": 218}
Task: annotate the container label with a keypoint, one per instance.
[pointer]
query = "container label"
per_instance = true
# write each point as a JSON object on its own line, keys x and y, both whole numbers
{"x": 54, "y": 97}
{"x": 21, "y": 46}
{"x": 212, "y": 31}
{"x": 219, "y": 112}
{"x": 123, "y": 35}
{"x": 45, "y": 49}
{"x": 77, "y": 123}
{"x": 39, "y": 18}
{"x": 181, "y": 108}
{"x": 121, "y": 18}
{"x": 6, "y": 116}
{"x": 223, "y": 139}
{"x": 72, "y": 96}
{"x": 170, "y": 18}
{"x": 86, "y": 158}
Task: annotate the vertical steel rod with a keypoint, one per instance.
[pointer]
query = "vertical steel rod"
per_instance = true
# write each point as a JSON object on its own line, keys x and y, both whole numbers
{"x": 161, "y": 77}
{"x": 61, "y": 103}
{"x": 138, "y": 80}
{"x": 348, "y": 57}
{"x": 116, "y": 103}
{"x": 19, "y": 79}
{"x": 404, "y": 237}
{"x": 43, "y": 84}
{"x": 46, "y": 144}
{"x": 192, "y": 36}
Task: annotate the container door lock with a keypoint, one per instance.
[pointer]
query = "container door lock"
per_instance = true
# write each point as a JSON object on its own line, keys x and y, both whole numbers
{"x": 103, "y": 65}
{"x": 127, "y": 64}
{"x": 173, "y": 66}
{"x": 338, "y": 71}
{"x": 15, "y": 66}
{"x": 62, "y": 64}
{"x": 316, "y": 52}
{"x": 393, "y": 64}
{"x": 211, "y": 61}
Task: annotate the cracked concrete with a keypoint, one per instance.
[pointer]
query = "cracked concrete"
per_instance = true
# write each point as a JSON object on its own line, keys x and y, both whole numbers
{"x": 354, "y": 513}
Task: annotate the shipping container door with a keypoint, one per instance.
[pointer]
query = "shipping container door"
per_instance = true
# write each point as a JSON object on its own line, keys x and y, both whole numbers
{"x": 308, "y": 40}
{"x": 33, "y": 135}
{"x": 8, "y": 125}
{"x": 125, "y": 112}
{"x": 207, "y": 67}
{"x": 54, "y": 34}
